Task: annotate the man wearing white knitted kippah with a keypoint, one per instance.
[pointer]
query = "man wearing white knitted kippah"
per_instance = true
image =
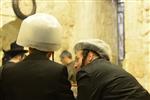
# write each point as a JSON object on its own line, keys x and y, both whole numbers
{"x": 37, "y": 77}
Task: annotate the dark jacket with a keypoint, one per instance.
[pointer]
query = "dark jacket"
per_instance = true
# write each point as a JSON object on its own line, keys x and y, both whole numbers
{"x": 101, "y": 80}
{"x": 35, "y": 78}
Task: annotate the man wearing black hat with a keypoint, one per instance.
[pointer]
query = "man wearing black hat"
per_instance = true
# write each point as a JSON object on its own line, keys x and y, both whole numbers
{"x": 14, "y": 55}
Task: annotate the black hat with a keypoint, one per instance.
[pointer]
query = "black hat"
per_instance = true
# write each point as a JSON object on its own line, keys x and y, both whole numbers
{"x": 14, "y": 50}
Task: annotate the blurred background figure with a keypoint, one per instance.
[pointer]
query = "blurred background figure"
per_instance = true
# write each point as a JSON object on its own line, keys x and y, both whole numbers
{"x": 66, "y": 59}
{"x": 14, "y": 55}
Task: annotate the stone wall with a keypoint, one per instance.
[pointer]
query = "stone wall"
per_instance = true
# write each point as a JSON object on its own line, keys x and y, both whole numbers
{"x": 81, "y": 19}
{"x": 137, "y": 40}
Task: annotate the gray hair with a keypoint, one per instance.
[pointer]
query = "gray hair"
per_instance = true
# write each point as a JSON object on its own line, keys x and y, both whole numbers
{"x": 65, "y": 53}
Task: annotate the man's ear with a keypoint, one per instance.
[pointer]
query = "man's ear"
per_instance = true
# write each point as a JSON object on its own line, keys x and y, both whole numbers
{"x": 90, "y": 57}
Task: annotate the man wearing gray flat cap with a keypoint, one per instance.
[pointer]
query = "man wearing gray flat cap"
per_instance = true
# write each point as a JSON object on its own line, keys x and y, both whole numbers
{"x": 99, "y": 79}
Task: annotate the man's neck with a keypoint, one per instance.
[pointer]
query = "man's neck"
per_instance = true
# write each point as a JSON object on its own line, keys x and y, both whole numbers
{"x": 14, "y": 60}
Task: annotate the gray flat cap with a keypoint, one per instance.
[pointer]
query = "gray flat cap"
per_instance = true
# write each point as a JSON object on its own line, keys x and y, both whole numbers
{"x": 97, "y": 45}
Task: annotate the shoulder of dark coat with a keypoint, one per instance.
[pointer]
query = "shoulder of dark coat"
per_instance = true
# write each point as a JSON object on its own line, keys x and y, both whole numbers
{"x": 1, "y": 68}
{"x": 81, "y": 74}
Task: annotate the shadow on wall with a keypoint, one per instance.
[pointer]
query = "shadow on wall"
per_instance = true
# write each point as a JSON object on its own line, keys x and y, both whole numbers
{"x": 9, "y": 33}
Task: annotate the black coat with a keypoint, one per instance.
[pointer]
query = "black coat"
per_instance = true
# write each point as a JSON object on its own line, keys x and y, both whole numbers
{"x": 101, "y": 80}
{"x": 35, "y": 78}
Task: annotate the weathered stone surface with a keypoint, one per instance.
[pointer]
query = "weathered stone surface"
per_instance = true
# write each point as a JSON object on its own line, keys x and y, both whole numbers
{"x": 137, "y": 34}
{"x": 81, "y": 19}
